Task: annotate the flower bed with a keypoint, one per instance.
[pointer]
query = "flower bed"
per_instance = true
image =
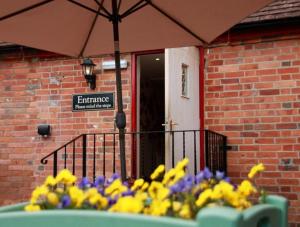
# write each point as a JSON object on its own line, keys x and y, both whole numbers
{"x": 205, "y": 199}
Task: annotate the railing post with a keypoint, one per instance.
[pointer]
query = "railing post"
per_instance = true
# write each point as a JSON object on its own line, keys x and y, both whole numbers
{"x": 55, "y": 164}
{"x": 65, "y": 157}
{"x": 225, "y": 153}
{"x": 73, "y": 170}
{"x": 173, "y": 149}
{"x": 94, "y": 159}
{"x": 206, "y": 149}
{"x": 104, "y": 154}
{"x": 84, "y": 155}
{"x": 195, "y": 153}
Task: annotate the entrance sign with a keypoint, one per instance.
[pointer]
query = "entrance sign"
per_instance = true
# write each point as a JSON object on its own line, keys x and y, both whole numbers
{"x": 94, "y": 101}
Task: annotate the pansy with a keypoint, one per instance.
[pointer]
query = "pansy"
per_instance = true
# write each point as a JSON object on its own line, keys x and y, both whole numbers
{"x": 157, "y": 172}
{"x": 128, "y": 204}
{"x": 99, "y": 181}
{"x": 110, "y": 180}
{"x": 65, "y": 201}
{"x": 51, "y": 181}
{"x": 256, "y": 169}
{"x": 52, "y": 198}
{"x": 84, "y": 183}
{"x": 174, "y": 193}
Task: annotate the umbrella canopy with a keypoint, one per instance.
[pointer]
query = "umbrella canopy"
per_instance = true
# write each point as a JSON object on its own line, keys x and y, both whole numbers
{"x": 70, "y": 27}
{"x": 88, "y": 27}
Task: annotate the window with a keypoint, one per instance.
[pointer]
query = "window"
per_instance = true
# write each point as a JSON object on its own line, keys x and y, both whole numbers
{"x": 184, "y": 80}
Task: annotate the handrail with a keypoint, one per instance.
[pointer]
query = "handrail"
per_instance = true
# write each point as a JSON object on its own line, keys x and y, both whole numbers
{"x": 44, "y": 161}
{"x": 182, "y": 143}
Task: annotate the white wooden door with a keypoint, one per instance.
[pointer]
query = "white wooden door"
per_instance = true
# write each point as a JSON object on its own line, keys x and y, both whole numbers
{"x": 182, "y": 103}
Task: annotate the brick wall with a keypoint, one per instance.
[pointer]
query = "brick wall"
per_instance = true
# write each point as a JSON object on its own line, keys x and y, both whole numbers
{"x": 36, "y": 88}
{"x": 252, "y": 95}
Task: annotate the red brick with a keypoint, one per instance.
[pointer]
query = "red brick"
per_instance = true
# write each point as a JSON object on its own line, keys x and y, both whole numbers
{"x": 269, "y": 92}
{"x": 233, "y": 127}
{"x": 266, "y": 72}
{"x": 248, "y": 67}
{"x": 234, "y": 74}
{"x": 249, "y": 134}
{"x": 286, "y": 126}
{"x": 288, "y": 70}
{"x": 229, "y": 81}
{"x": 288, "y": 181}
{"x": 216, "y": 62}
{"x": 264, "y": 140}
{"x": 215, "y": 88}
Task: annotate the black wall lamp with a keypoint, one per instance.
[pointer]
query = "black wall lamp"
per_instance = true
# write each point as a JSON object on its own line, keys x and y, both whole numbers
{"x": 44, "y": 130}
{"x": 88, "y": 72}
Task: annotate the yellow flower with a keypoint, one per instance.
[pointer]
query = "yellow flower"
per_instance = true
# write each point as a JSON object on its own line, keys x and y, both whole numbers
{"x": 59, "y": 190}
{"x": 98, "y": 200}
{"x": 217, "y": 193}
{"x": 115, "y": 188}
{"x": 91, "y": 192}
{"x": 141, "y": 195}
{"x": 145, "y": 186}
{"x": 176, "y": 206}
{"x": 95, "y": 198}
{"x": 169, "y": 176}
{"x": 38, "y": 192}
{"x": 256, "y": 169}
{"x": 182, "y": 164}
{"x": 178, "y": 176}
{"x": 243, "y": 204}
{"x": 50, "y": 181}
{"x": 222, "y": 189}
{"x": 76, "y": 195}
{"x": 158, "y": 207}
{"x": 246, "y": 188}
{"x": 185, "y": 212}
{"x": 128, "y": 204}
{"x": 233, "y": 198}
{"x": 65, "y": 177}
{"x": 32, "y": 207}
{"x": 52, "y": 198}
{"x": 204, "y": 185}
{"x": 203, "y": 197}
{"x": 158, "y": 191}
{"x": 160, "y": 169}
{"x": 137, "y": 184}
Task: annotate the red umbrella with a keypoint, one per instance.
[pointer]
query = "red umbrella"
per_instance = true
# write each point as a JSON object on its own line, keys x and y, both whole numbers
{"x": 87, "y": 27}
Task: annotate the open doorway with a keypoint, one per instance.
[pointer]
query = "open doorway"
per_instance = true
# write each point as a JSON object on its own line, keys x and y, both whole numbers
{"x": 151, "y": 111}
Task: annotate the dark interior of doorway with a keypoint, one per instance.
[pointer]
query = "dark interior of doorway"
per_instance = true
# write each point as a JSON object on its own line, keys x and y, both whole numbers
{"x": 152, "y": 112}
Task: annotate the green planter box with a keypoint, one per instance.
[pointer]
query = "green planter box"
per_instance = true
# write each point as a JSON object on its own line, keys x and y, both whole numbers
{"x": 271, "y": 214}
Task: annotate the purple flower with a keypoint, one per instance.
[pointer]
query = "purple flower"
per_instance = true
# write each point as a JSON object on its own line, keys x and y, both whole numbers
{"x": 220, "y": 175}
{"x": 188, "y": 182}
{"x": 84, "y": 183}
{"x": 183, "y": 185}
{"x": 65, "y": 202}
{"x": 227, "y": 179}
{"x": 175, "y": 188}
{"x": 207, "y": 173}
{"x": 112, "y": 201}
{"x": 203, "y": 175}
{"x": 128, "y": 193}
{"x": 101, "y": 191}
{"x": 99, "y": 181}
{"x": 199, "y": 177}
{"x": 112, "y": 178}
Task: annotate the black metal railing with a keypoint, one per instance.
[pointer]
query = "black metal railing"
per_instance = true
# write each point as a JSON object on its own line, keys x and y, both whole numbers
{"x": 215, "y": 151}
{"x": 96, "y": 154}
